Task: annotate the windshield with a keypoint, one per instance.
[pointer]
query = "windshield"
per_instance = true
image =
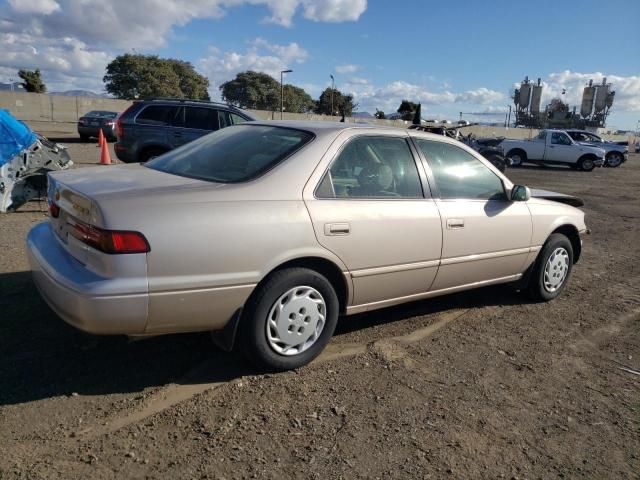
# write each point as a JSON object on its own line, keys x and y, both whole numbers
{"x": 233, "y": 154}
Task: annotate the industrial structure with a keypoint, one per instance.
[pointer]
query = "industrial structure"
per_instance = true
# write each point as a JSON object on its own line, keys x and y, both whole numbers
{"x": 597, "y": 101}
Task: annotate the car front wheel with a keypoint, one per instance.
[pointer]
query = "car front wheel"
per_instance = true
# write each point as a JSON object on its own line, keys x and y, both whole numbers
{"x": 289, "y": 320}
{"x": 552, "y": 269}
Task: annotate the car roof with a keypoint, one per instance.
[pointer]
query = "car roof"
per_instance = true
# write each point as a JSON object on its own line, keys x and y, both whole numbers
{"x": 187, "y": 101}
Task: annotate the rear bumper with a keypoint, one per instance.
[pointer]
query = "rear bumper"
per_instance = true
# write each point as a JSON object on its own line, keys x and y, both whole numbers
{"x": 123, "y": 153}
{"x": 80, "y": 297}
{"x": 92, "y": 131}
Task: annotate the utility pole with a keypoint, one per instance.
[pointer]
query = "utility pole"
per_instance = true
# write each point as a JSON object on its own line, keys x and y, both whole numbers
{"x": 282, "y": 91}
{"x": 509, "y": 121}
{"x": 332, "y": 89}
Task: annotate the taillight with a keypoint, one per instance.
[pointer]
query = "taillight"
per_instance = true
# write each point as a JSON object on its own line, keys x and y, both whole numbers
{"x": 54, "y": 210}
{"x": 110, "y": 241}
{"x": 119, "y": 128}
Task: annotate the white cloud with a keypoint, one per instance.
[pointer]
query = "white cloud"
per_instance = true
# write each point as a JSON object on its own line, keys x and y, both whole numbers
{"x": 347, "y": 68}
{"x": 45, "y": 7}
{"x": 333, "y": 10}
{"x": 261, "y": 56}
{"x": 627, "y": 89}
{"x": 118, "y": 24}
{"x": 64, "y": 62}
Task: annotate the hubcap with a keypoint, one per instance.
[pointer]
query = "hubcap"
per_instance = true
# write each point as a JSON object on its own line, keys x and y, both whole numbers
{"x": 587, "y": 165}
{"x": 556, "y": 270}
{"x": 296, "y": 320}
{"x": 516, "y": 160}
{"x": 614, "y": 160}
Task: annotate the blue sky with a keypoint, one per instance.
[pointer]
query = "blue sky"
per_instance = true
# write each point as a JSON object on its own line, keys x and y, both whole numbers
{"x": 451, "y": 56}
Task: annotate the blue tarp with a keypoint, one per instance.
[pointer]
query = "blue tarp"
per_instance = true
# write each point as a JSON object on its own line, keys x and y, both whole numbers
{"x": 15, "y": 136}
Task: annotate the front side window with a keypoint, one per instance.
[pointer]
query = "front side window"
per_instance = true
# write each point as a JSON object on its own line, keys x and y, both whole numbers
{"x": 231, "y": 155}
{"x": 458, "y": 174}
{"x": 372, "y": 167}
{"x": 560, "y": 138}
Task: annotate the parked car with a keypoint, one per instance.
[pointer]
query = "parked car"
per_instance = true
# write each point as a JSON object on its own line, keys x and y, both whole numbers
{"x": 615, "y": 155}
{"x": 267, "y": 232}
{"x": 150, "y": 128}
{"x": 90, "y": 124}
{"x": 553, "y": 147}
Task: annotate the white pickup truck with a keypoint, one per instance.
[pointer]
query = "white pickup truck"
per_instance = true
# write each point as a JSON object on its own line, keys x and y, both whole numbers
{"x": 553, "y": 147}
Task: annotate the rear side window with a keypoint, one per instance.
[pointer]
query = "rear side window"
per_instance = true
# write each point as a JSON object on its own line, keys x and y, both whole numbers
{"x": 372, "y": 167}
{"x": 158, "y": 115}
{"x": 201, "y": 118}
{"x": 231, "y": 155}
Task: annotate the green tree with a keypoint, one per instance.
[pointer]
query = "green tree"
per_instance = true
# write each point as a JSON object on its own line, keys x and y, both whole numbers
{"x": 342, "y": 104}
{"x": 379, "y": 114}
{"x": 296, "y": 100}
{"x": 32, "y": 81}
{"x": 407, "y": 109}
{"x": 254, "y": 90}
{"x": 141, "y": 76}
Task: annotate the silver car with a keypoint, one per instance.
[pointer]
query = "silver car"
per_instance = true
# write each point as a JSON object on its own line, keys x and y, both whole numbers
{"x": 266, "y": 233}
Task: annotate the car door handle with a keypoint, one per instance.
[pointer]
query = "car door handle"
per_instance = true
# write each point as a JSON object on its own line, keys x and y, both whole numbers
{"x": 336, "y": 229}
{"x": 453, "y": 223}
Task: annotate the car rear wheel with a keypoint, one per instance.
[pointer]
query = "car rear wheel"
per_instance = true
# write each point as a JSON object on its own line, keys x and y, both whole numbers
{"x": 586, "y": 164}
{"x": 552, "y": 269}
{"x": 289, "y": 320}
{"x": 518, "y": 157}
{"x": 614, "y": 159}
{"x": 498, "y": 162}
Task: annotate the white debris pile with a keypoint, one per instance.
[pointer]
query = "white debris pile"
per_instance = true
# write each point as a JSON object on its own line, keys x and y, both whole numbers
{"x": 25, "y": 159}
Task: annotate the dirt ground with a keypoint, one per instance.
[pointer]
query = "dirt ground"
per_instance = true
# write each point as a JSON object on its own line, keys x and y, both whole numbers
{"x": 482, "y": 384}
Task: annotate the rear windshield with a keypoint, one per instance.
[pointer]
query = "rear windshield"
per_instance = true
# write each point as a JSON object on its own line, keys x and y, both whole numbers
{"x": 234, "y": 154}
{"x": 100, "y": 113}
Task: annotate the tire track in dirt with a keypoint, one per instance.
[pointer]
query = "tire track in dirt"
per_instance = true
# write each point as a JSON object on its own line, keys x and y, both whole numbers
{"x": 191, "y": 384}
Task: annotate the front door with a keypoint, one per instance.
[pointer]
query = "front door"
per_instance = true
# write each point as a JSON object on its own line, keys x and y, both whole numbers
{"x": 369, "y": 209}
{"x": 485, "y": 237}
{"x": 561, "y": 148}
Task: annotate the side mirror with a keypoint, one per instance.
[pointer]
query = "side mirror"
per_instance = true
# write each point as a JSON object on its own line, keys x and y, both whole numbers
{"x": 520, "y": 193}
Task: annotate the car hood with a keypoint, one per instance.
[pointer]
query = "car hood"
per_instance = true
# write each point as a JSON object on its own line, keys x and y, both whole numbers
{"x": 557, "y": 197}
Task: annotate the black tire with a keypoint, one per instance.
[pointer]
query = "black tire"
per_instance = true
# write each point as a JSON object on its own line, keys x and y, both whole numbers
{"x": 498, "y": 162}
{"x": 518, "y": 153}
{"x": 150, "y": 153}
{"x": 84, "y": 138}
{"x": 586, "y": 164}
{"x": 614, "y": 159}
{"x": 252, "y": 333}
{"x": 538, "y": 289}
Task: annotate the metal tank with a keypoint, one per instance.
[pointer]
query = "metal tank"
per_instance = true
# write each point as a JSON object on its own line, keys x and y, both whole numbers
{"x": 588, "y": 95}
{"x": 536, "y": 97}
{"x": 601, "y": 96}
{"x": 525, "y": 93}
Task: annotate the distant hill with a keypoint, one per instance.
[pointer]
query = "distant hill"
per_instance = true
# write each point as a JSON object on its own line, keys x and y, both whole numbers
{"x": 361, "y": 115}
{"x": 80, "y": 93}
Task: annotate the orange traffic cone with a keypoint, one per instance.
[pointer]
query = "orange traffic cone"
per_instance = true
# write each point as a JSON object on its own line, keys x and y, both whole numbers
{"x": 100, "y": 138}
{"x": 105, "y": 158}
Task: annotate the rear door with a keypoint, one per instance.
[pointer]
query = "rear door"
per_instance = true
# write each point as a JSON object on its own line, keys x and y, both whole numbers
{"x": 484, "y": 236}
{"x": 153, "y": 125}
{"x": 369, "y": 209}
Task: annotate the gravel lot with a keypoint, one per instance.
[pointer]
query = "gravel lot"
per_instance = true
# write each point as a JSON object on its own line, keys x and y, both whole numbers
{"x": 482, "y": 384}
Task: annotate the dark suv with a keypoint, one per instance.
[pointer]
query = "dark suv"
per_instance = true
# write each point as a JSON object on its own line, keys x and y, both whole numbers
{"x": 149, "y": 128}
